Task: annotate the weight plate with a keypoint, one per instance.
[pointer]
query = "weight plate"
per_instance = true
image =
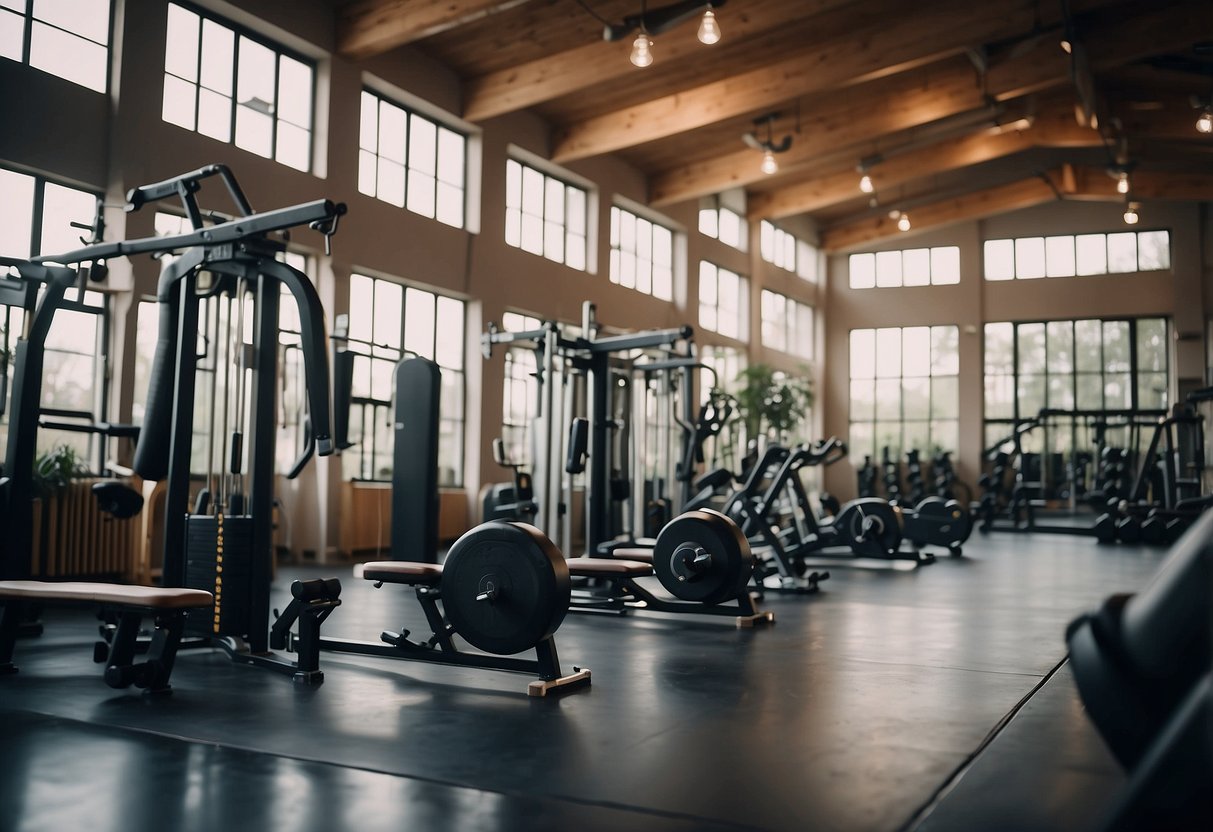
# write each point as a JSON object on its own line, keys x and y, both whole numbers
{"x": 703, "y": 556}
{"x": 505, "y": 587}
{"x": 871, "y": 526}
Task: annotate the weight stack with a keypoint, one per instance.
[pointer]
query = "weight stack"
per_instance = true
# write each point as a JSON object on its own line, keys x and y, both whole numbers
{"x": 218, "y": 558}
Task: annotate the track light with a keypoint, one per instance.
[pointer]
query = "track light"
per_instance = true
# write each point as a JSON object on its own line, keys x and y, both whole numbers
{"x": 903, "y": 222}
{"x": 865, "y": 184}
{"x": 1131, "y": 213}
{"x": 642, "y": 53}
{"x": 1204, "y": 124}
{"x": 709, "y": 29}
{"x": 768, "y": 146}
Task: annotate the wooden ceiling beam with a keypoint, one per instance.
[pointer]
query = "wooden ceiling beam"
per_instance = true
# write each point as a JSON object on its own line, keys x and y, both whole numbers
{"x": 984, "y": 203}
{"x": 564, "y": 73}
{"x": 1053, "y": 127}
{"x": 915, "y": 99}
{"x": 372, "y": 27}
{"x": 871, "y": 50}
{"x": 1096, "y": 185}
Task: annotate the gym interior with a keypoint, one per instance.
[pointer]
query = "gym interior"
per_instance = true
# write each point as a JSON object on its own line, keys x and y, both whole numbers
{"x": 606, "y": 414}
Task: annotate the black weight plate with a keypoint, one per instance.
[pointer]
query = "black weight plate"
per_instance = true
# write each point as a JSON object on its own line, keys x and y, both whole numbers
{"x": 527, "y": 576}
{"x": 710, "y": 532}
{"x": 871, "y": 526}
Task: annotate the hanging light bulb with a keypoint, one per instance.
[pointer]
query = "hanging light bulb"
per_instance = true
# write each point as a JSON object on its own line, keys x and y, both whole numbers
{"x": 903, "y": 222}
{"x": 1205, "y": 123}
{"x": 642, "y": 54}
{"x": 1122, "y": 183}
{"x": 709, "y": 29}
{"x": 1131, "y": 213}
{"x": 865, "y": 184}
{"x": 769, "y": 165}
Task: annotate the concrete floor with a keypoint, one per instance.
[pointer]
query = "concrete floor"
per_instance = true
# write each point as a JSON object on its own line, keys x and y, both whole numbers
{"x": 878, "y": 704}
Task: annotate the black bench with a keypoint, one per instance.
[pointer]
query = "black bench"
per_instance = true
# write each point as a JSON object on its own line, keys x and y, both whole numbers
{"x": 130, "y": 604}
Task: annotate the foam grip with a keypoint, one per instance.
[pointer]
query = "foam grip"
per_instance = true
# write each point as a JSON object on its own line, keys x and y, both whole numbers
{"x": 152, "y": 450}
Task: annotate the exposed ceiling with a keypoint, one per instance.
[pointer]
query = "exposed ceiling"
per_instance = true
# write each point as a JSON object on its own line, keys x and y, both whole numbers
{"x": 958, "y": 108}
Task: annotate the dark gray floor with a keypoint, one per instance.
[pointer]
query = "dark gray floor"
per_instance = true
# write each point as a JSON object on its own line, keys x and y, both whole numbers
{"x": 854, "y": 712}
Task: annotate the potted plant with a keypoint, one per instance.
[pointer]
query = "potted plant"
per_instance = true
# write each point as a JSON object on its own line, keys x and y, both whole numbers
{"x": 772, "y": 403}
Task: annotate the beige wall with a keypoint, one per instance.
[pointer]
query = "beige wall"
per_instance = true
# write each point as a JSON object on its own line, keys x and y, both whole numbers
{"x": 1183, "y": 295}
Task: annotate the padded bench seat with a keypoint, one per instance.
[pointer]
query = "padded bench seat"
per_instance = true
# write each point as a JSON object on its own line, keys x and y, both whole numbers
{"x": 608, "y": 567}
{"x": 85, "y": 592}
{"x": 630, "y": 553}
{"x": 401, "y": 572}
{"x": 166, "y": 605}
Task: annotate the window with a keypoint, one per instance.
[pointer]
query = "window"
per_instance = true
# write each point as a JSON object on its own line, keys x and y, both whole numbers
{"x": 642, "y": 254}
{"x": 38, "y": 220}
{"x": 519, "y": 406}
{"x": 787, "y": 325}
{"x": 724, "y": 301}
{"x": 911, "y": 267}
{"x": 411, "y": 161}
{"x": 1081, "y": 365}
{"x": 544, "y": 215}
{"x": 722, "y": 224}
{"x": 389, "y": 322}
{"x": 1073, "y": 365}
{"x": 226, "y": 83}
{"x": 904, "y": 390}
{"x": 787, "y": 252}
{"x": 67, "y": 39}
{"x": 1070, "y": 255}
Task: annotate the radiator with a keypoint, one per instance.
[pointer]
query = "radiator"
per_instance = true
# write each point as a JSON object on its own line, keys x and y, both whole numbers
{"x": 73, "y": 539}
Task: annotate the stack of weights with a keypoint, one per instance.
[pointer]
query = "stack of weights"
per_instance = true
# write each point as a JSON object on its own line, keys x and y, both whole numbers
{"x": 914, "y": 477}
{"x": 991, "y": 484}
{"x": 867, "y": 478}
{"x": 945, "y": 475}
{"x": 892, "y": 476}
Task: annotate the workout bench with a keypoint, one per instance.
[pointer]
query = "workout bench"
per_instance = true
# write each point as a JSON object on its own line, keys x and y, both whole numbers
{"x": 131, "y": 604}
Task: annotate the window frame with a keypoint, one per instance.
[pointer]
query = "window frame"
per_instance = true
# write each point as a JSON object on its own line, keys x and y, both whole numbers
{"x": 549, "y": 173}
{"x": 280, "y": 50}
{"x": 28, "y": 20}
{"x": 886, "y": 255}
{"x": 790, "y": 321}
{"x": 743, "y": 298}
{"x": 382, "y": 408}
{"x": 1015, "y": 246}
{"x": 411, "y": 112}
{"x": 901, "y": 420}
{"x": 617, "y": 252}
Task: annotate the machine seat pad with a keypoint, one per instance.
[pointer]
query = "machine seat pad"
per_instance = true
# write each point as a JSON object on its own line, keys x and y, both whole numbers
{"x": 401, "y": 572}
{"x": 607, "y": 567}
{"x": 644, "y": 555}
{"x": 144, "y": 597}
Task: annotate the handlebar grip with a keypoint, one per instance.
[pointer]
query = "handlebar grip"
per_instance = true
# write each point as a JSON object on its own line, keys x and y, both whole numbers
{"x": 136, "y": 198}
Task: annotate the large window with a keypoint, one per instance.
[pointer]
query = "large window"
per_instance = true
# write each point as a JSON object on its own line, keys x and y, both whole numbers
{"x": 904, "y": 390}
{"x": 1073, "y": 365}
{"x": 39, "y": 217}
{"x": 519, "y": 405}
{"x": 642, "y": 254}
{"x": 63, "y": 37}
{"x": 389, "y": 322}
{"x": 1070, "y": 255}
{"x": 722, "y": 224}
{"x": 724, "y": 301}
{"x": 911, "y": 267}
{"x": 545, "y": 215}
{"x": 411, "y": 161}
{"x": 785, "y": 251}
{"x": 234, "y": 86}
{"x": 787, "y": 325}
